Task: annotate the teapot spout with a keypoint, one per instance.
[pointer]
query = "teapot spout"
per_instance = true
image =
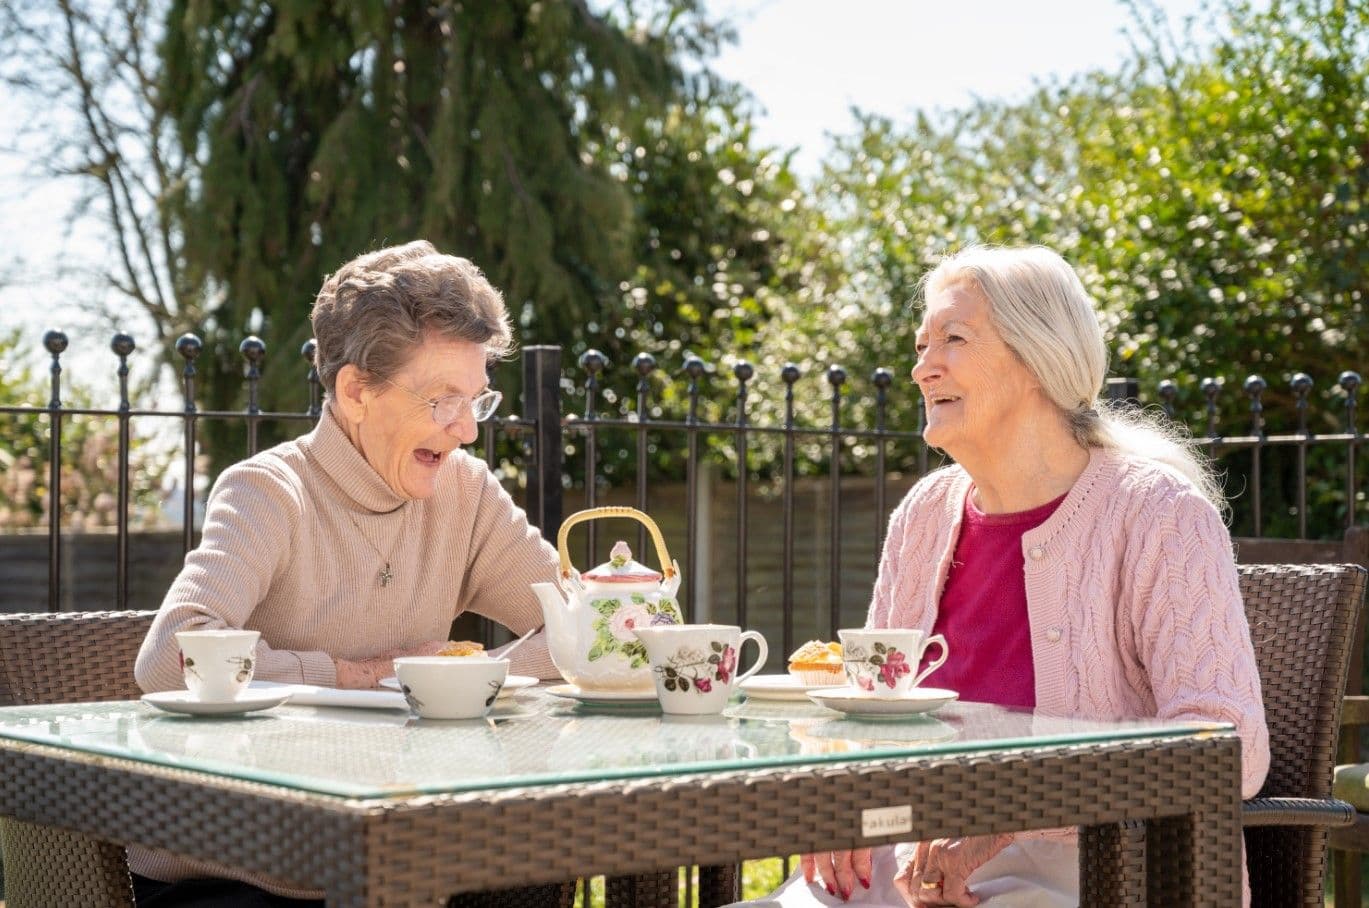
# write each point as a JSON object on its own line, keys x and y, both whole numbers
{"x": 554, "y": 606}
{"x": 558, "y": 616}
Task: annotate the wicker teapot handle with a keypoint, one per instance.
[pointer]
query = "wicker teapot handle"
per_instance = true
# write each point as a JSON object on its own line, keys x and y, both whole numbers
{"x": 667, "y": 566}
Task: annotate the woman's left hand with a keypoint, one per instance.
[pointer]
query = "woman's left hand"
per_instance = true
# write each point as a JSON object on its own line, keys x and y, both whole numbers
{"x": 939, "y": 869}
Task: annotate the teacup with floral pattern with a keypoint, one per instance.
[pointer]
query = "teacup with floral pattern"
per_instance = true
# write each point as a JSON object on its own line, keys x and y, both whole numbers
{"x": 882, "y": 662}
{"x": 695, "y": 665}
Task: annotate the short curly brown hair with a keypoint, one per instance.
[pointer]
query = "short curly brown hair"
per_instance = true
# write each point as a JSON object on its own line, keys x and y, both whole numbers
{"x": 373, "y": 311}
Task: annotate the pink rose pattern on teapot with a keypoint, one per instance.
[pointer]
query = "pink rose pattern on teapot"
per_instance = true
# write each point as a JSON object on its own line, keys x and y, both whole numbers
{"x": 614, "y": 625}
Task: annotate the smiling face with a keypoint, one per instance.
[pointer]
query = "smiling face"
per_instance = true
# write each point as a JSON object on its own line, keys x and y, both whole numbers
{"x": 976, "y": 389}
{"x": 394, "y": 430}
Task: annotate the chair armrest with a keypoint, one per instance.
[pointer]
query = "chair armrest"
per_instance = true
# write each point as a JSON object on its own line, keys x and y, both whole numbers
{"x": 1355, "y": 711}
{"x": 1326, "y": 812}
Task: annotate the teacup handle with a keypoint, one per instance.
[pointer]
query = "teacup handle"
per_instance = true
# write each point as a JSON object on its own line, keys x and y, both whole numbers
{"x": 940, "y": 641}
{"x": 760, "y": 659}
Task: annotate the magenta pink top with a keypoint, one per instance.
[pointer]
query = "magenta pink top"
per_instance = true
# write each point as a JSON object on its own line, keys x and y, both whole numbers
{"x": 984, "y": 609}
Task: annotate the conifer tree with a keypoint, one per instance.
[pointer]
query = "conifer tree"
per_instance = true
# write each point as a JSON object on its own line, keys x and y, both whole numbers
{"x": 323, "y": 129}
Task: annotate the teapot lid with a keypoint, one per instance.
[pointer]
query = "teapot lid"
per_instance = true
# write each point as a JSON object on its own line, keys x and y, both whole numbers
{"x": 621, "y": 568}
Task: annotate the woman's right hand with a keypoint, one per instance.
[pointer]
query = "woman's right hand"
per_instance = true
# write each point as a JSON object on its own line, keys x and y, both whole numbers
{"x": 839, "y": 871}
{"x": 364, "y": 674}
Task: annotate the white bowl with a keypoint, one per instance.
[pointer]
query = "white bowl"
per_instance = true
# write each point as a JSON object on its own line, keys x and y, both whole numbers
{"x": 443, "y": 687}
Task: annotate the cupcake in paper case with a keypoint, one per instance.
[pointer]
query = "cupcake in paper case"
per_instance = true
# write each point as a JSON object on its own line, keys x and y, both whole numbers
{"x": 818, "y": 663}
{"x": 463, "y": 648}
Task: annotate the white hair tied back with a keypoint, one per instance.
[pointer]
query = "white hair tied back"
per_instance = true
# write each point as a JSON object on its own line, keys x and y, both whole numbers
{"x": 1040, "y": 307}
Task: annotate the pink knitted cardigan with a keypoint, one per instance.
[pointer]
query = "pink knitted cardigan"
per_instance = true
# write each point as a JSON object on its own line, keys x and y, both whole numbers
{"x": 1132, "y": 598}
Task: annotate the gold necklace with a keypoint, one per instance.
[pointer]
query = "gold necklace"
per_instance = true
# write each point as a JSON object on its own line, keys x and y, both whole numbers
{"x": 385, "y": 575}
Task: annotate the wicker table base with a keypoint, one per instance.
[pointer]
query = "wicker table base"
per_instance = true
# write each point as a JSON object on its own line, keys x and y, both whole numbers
{"x": 1180, "y": 794}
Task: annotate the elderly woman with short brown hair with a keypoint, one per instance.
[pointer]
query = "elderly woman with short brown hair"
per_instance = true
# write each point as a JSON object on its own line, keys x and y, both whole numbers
{"x": 362, "y": 540}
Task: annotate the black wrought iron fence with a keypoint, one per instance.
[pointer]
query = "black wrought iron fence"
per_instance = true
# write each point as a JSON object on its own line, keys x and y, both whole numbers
{"x": 539, "y": 435}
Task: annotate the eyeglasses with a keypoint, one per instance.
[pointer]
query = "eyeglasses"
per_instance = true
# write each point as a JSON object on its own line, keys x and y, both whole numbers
{"x": 447, "y": 410}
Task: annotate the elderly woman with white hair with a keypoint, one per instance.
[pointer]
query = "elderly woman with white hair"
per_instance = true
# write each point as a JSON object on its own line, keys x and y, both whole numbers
{"x": 1074, "y": 555}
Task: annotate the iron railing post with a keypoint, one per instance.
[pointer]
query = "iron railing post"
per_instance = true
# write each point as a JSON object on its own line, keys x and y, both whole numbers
{"x": 542, "y": 406}
{"x": 307, "y": 351}
{"x": 254, "y": 351}
{"x": 593, "y": 362}
{"x": 836, "y": 377}
{"x": 55, "y": 342}
{"x": 644, "y": 364}
{"x": 122, "y": 345}
{"x": 189, "y": 347}
{"x": 1123, "y": 390}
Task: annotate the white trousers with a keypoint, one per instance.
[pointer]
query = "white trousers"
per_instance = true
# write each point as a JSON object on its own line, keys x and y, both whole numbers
{"x": 1033, "y": 873}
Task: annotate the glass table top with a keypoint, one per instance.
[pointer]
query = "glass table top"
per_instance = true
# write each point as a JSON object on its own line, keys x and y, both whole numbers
{"x": 536, "y": 740}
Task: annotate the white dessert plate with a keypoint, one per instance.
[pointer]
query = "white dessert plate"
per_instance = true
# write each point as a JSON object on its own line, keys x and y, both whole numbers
{"x": 610, "y": 698}
{"x": 512, "y": 684}
{"x": 777, "y": 687}
{"x": 857, "y": 703}
{"x": 182, "y": 701}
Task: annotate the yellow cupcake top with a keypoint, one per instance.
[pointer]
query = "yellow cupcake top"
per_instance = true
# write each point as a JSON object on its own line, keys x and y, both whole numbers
{"x": 463, "y": 648}
{"x": 815, "y": 652}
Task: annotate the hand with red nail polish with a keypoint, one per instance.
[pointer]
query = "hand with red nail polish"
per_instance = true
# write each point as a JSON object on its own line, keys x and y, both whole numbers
{"x": 838, "y": 871}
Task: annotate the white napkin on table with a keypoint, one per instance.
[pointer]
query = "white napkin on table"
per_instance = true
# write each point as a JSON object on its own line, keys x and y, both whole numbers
{"x": 314, "y": 695}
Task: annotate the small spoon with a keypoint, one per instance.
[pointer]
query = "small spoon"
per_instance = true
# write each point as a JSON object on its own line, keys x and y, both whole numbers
{"x": 519, "y": 642}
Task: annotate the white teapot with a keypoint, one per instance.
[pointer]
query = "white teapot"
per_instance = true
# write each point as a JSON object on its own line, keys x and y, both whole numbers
{"x": 590, "y": 628}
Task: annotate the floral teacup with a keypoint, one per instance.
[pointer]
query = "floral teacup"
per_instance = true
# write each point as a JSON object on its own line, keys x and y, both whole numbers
{"x": 882, "y": 661}
{"x": 695, "y": 665}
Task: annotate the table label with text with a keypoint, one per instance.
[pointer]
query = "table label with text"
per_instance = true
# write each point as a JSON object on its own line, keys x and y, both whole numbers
{"x": 877, "y": 821}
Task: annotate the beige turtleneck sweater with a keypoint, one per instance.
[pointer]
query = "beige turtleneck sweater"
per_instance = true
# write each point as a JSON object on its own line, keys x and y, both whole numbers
{"x": 293, "y": 543}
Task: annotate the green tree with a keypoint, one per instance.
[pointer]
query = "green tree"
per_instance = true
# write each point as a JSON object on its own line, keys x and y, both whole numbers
{"x": 715, "y": 244}
{"x": 323, "y": 129}
{"x": 1213, "y": 197}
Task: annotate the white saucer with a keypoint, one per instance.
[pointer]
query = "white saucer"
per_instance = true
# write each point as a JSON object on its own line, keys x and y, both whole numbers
{"x": 853, "y": 702}
{"x": 614, "y": 698}
{"x": 182, "y": 701}
{"x": 512, "y": 684}
{"x": 777, "y": 687}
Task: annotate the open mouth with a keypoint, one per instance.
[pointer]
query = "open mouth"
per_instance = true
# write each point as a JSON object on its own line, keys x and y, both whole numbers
{"x": 428, "y": 457}
{"x": 939, "y": 399}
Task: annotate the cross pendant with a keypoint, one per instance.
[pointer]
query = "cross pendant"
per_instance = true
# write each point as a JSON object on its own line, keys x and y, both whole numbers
{"x": 385, "y": 575}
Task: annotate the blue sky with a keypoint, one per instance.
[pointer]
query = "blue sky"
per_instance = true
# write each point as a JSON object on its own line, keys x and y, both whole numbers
{"x": 806, "y": 61}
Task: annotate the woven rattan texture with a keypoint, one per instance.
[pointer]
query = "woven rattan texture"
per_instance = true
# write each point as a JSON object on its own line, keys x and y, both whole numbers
{"x": 73, "y": 657}
{"x": 74, "y": 871}
{"x": 623, "y": 828}
{"x": 560, "y": 831}
{"x": 549, "y": 896}
{"x": 719, "y": 884}
{"x": 1115, "y": 854}
{"x": 1301, "y": 621}
{"x": 67, "y": 658}
{"x": 661, "y": 888}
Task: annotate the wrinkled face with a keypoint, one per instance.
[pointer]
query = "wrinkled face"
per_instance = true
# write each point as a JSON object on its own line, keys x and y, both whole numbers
{"x": 974, "y": 386}
{"x": 396, "y": 432}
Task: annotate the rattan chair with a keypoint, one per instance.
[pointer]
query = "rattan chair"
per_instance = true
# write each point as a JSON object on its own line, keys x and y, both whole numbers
{"x": 1352, "y": 772}
{"x": 1302, "y": 622}
{"x": 81, "y": 657}
{"x": 73, "y": 657}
